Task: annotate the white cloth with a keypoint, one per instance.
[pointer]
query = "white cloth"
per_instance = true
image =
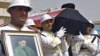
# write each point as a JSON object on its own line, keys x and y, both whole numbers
{"x": 89, "y": 49}
{"x": 79, "y": 37}
{"x": 51, "y": 44}
{"x": 75, "y": 45}
{"x": 12, "y": 27}
{"x": 25, "y": 28}
{"x": 64, "y": 46}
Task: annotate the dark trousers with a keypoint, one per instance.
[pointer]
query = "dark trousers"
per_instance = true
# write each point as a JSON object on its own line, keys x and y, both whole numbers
{"x": 70, "y": 51}
{"x": 1, "y": 49}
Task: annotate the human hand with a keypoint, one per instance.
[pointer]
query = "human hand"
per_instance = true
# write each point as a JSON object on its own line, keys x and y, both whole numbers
{"x": 61, "y": 32}
{"x": 79, "y": 37}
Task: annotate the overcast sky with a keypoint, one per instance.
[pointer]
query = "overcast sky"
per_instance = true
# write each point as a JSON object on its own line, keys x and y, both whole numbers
{"x": 90, "y": 9}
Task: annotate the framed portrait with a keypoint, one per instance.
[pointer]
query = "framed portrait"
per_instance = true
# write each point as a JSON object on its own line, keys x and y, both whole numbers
{"x": 22, "y": 43}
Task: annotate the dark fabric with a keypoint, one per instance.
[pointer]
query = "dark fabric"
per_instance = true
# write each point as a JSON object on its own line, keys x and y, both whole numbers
{"x": 2, "y": 52}
{"x": 71, "y": 19}
{"x": 93, "y": 39}
{"x": 70, "y": 51}
{"x": 68, "y": 5}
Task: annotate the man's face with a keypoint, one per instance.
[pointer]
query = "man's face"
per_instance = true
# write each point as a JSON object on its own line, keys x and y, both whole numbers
{"x": 89, "y": 29}
{"x": 22, "y": 43}
{"x": 47, "y": 25}
{"x": 19, "y": 15}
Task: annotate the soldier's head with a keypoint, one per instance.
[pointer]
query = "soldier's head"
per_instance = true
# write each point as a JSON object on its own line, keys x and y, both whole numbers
{"x": 88, "y": 28}
{"x": 46, "y": 22}
{"x": 19, "y": 11}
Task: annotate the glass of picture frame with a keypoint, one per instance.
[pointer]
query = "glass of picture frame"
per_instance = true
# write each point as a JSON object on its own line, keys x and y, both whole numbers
{"x": 21, "y": 43}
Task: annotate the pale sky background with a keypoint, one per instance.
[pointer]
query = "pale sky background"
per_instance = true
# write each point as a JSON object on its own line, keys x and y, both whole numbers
{"x": 90, "y": 9}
